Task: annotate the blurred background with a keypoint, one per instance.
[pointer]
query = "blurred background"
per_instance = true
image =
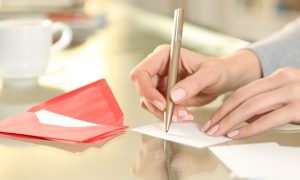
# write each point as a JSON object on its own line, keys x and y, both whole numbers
{"x": 246, "y": 19}
{"x": 112, "y": 36}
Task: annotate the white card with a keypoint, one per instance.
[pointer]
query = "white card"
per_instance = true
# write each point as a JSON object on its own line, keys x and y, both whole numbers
{"x": 260, "y": 161}
{"x": 183, "y": 133}
{"x": 51, "y": 118}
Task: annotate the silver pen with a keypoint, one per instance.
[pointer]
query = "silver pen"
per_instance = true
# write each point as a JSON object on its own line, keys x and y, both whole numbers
{"x": 173, "y": 64}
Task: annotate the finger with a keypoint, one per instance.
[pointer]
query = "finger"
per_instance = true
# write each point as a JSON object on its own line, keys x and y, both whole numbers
{"x": 256, "y": 105}
{"x": 271, "y": 120}
{"x": 182, "y": 113}
{"x": 200, "y": 99}
{"x": 192, "y": 85}
{"x": 145, "y": 76}
{"x": 277, "y": 80}
{"x": 162, "y": 85}
{"x": 160, "y": 115}
{"x": 252, "y": 119}
{"x": 147, "y": 90}
{"x": 150, "y": 108}
{"x": 156, "y": 62}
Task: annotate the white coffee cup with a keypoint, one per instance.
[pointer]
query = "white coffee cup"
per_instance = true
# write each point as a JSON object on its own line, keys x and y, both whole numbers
{"x": 26, "y": 44}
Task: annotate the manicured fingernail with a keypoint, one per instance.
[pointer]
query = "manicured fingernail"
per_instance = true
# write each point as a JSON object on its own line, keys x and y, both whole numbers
{"x": 182, "y": 113}
{"x": 178, "y": 94}
{"x": 213, "y": 130}
{"x": 188, "y": 117}
{"x": 233, "y": 133}
{"x": 159, "y": 155}
{"x": 178, "y": 163}
{"x": 158, "y": 105}
{"x": 174, "y": 118}
{"x": 206, "y": 126}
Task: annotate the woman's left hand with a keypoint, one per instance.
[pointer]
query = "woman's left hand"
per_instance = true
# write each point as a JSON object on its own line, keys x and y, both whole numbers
{"x": 264, "y": 104}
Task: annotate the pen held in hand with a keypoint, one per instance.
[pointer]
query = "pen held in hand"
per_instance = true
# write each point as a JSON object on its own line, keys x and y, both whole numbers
{"x": 173, "y": 64}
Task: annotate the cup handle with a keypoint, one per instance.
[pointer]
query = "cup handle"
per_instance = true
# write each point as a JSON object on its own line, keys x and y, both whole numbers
{"x": 65, "y": 38}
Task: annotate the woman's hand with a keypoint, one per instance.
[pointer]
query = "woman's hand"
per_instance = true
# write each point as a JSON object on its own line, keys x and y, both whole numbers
{"x": 201, "y": 79}
{"x": 264, "y": 104}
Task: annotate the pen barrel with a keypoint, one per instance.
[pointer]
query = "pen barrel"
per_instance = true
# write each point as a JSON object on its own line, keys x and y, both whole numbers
{"x": 174, "y": 63}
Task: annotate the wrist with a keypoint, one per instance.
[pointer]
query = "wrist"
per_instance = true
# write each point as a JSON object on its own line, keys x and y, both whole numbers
{"x": 242, "y": 68}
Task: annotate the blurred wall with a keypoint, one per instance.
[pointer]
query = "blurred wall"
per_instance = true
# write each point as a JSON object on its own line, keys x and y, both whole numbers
{"x": 246, "y": 19}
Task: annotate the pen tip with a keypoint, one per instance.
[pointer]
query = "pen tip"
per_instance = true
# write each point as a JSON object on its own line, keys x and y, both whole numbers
{"x": 167, "y": 130}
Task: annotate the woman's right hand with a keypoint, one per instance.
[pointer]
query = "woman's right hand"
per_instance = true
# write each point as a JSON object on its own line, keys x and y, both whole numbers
{"x": 201, "y": 79}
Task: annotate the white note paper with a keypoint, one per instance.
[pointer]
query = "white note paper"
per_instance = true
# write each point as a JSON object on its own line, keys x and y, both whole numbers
{"x": 183, "y": 133}
{"x": 260, "y": 161}
{"x": 51, "y": 118}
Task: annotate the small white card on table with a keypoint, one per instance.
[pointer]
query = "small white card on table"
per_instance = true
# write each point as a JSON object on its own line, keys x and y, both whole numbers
{"x": 183, "y": 133}
{"x": 260, "y": 161}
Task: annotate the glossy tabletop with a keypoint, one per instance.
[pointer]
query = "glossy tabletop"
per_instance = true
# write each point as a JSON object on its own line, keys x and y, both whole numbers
{"x": 111, "y": 53}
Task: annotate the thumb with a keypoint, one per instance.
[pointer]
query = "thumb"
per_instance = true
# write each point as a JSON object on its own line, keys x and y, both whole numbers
{"x": 192, "y": 85}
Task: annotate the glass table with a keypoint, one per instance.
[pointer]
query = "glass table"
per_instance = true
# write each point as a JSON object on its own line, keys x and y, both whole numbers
{"x": 111, "y": 53}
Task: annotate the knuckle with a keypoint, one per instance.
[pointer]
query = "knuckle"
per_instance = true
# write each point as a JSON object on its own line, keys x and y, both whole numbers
{"x": 248, "y": 131}
{"x": 237, "y": 96}
{"x": 142, "y": 92}
{"x": 133, "y": 74}
{"x": 142, "y": 104}
{"x": 288, "y": 73}
{"x": 212, "y": 68}
{"x": 162, "y": 47}
{"x": 194, "y": 85}
{"x": 146, "y": 93}
{"x": 294, "y": 89}
{"x": 248, "y": 105}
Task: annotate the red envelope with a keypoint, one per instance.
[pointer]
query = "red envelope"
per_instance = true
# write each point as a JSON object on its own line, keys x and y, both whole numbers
{"x": 93, "y": 103}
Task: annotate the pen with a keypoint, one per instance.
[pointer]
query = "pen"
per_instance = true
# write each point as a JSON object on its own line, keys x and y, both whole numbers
{"x": 173, "y": 64}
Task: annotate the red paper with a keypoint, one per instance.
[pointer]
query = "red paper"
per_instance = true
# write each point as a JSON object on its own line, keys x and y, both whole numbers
{"x": 93, "y": 103}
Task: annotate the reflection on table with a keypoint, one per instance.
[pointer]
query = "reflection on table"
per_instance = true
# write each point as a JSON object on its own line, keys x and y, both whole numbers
{"x": 111, "y": 53}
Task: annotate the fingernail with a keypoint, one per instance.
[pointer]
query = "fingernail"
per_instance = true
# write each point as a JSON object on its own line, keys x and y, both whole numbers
{"x": 178, "y": 94}
{"x": 213, "y": 130}
{"x": 188, "y": 117}
{"x": 158, "y": 105}
{"x": 174, "y": 118}
{"x": 233, "y": 133}
{"x": 182, "y": 113}
{"x": 206, "y": 126}
{"x": 178, "y": 163}
{"x": 159, "y": 155}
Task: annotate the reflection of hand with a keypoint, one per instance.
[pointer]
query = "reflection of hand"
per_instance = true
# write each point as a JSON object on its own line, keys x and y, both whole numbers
{"x": 201, "y": 79}
{"x": 265, "y": 104}
{"x": 151, "y": 162}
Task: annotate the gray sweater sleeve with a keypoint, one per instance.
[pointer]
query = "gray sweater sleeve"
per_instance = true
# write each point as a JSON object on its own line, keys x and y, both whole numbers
{"x": 281, "y": 49}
